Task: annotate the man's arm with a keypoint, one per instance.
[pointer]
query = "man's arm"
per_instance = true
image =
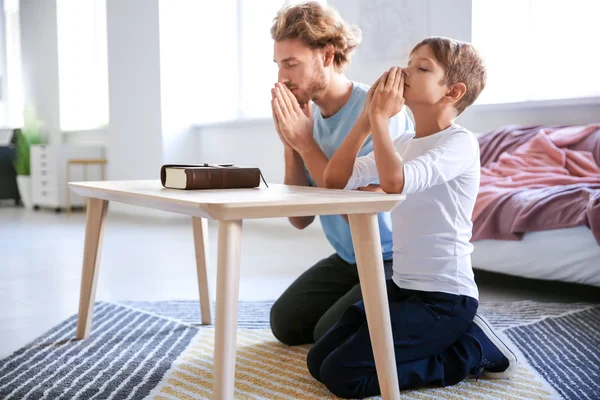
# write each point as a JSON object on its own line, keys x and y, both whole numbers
{"x": 294, "y": 166}
{"x": 295, "y": 175}
{"x": 296, "y": 125}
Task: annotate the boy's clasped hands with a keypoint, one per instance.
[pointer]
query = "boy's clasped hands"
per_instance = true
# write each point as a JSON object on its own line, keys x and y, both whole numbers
{"x": 386, "y": 97}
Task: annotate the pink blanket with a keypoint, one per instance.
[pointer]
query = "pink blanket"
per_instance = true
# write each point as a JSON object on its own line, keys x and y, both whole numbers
{"x": 542, "y": 161}
{"x": 538, "y": 178}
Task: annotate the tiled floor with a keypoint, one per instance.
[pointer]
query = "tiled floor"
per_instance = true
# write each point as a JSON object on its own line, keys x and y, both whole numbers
{"x": 152, "y": 259}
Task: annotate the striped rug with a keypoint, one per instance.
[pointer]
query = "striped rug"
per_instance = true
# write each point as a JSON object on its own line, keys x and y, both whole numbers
{"x": 158, "y": 350}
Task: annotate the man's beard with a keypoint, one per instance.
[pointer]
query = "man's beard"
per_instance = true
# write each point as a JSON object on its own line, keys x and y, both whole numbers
{"x": 317, "y": 84}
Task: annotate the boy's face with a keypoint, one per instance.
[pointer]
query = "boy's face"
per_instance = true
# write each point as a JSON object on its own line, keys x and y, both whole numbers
{"x": 300, "y": 68}
{"x": 423, "y": 78}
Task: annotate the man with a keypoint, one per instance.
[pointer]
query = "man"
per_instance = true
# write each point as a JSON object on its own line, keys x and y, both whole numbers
{"x": 313, "y": 46}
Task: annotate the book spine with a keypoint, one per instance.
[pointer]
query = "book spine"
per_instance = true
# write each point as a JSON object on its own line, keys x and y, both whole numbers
{"x": 222, "y": 178}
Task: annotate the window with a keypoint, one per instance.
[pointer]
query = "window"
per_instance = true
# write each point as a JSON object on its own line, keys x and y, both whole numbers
{"x": 199, "y": 61}
{"x": 258, "y": 71}
{"x": 537, "y": 49}
{"x": 12, "y": 100}
{"x": 82, "y": 64}
{"x": 217, "y": 60}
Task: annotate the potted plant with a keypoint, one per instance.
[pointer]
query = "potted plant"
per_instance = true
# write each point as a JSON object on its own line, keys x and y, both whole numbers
{"x": 29, "y": 135}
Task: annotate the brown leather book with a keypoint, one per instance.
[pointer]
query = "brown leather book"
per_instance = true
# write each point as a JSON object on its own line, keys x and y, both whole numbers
{"x": 209, "y": 176}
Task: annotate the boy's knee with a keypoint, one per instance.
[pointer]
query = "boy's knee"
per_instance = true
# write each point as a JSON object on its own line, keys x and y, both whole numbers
{"x": 313, "y": 361}
{"x": 336, "y": 380}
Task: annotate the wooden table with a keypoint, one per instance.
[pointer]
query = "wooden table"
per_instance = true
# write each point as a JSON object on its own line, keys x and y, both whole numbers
{"x": 230, "y": 207}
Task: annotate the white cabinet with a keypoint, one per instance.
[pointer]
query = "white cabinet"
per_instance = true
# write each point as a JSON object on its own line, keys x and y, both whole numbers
{"x": 49, "y": 173}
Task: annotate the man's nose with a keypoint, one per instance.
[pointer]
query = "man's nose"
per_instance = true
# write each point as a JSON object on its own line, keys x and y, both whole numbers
{"x": 281, "y": 77}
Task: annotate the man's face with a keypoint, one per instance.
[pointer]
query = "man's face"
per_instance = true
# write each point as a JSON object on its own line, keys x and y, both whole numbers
{"x": 423, "y": 78}
{"x": 300, "y": 69}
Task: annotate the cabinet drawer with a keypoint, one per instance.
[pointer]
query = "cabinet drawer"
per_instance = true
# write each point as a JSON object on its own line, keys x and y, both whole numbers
{"x": 43, "y": 158}
{"x": 45, "y": 197}
{"x": 46, "y": 183}
{"x": 43, "y": 175}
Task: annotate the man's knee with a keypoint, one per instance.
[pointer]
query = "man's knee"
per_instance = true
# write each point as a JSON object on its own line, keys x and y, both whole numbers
{"x": 282, "y": 324}
{"x": 321, "y": 328}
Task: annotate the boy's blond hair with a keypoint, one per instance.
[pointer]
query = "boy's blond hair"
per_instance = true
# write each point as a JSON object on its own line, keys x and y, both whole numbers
{"x": 317, "y": 26}
{"x": 463, "y": 63}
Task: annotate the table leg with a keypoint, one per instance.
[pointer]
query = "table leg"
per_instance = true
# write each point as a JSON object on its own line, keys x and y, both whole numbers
{"x": 367, "y": 246}
{"x": 228, "y": 279}
{"x": 200, "y": 228}
{"x": 94, "y": 232}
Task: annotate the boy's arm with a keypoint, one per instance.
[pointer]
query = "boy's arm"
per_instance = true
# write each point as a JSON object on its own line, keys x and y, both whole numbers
{"x": 315, "y": 161}
{"x": 387, "y": 101}
{"x": 390, "y": 166}
{"x": 344, "y": 165}
{"x": 452, "y": 156}
{"x": 341, "y": 165}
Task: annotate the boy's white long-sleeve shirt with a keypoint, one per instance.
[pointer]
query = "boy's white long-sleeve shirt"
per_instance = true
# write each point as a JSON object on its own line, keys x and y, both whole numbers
{"x": 432, "y": 228}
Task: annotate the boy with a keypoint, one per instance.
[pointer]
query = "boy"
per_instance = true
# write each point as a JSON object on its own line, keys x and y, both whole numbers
{"x": 432, "y": 295}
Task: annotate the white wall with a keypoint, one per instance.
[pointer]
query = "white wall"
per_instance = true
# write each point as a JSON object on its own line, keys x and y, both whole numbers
{"x": 3, "y": 68}
{"x": 39, "y": 52}
{"x": 481, "y": 119}
{"x": 257, "y": 143}
{"x": 135, "y": 135}
{"x": 248, "y": 143}
{"x": 392, "y": 28}
{"x": 149, "y": 125}
{"x": 179, "y": 35}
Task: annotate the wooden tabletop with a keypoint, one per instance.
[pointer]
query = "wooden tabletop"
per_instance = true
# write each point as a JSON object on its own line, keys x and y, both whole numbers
{"x": 227, "y": 204}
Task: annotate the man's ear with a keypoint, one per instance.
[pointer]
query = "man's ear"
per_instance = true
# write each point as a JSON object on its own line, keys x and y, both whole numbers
{"x": 456, "y": 91}
{"x": 328, "y": 55}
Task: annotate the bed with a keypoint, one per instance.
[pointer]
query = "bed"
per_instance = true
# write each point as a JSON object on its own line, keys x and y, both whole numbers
{"x": 538, "y": 210}
{"x": 568, "y": 255}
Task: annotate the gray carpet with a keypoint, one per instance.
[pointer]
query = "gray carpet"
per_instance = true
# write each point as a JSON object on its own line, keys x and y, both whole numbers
{"x": 133, "y": 344}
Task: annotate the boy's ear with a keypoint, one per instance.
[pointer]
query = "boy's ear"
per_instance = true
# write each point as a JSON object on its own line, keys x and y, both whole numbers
{"x": 456, "y": 91}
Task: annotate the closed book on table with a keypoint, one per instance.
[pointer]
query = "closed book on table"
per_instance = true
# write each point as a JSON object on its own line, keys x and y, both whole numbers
{"x": 209, "y": 176}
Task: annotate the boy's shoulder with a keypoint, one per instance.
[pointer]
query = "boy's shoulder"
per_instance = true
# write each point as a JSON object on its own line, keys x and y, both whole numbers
{"x": 460, "y": 130}
{"x": 457, "y": 135}
{"x": 457, "y": 130}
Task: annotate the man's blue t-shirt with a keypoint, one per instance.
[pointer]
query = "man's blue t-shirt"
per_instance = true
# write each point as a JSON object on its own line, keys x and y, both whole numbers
{"x": 329, "y": 133}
